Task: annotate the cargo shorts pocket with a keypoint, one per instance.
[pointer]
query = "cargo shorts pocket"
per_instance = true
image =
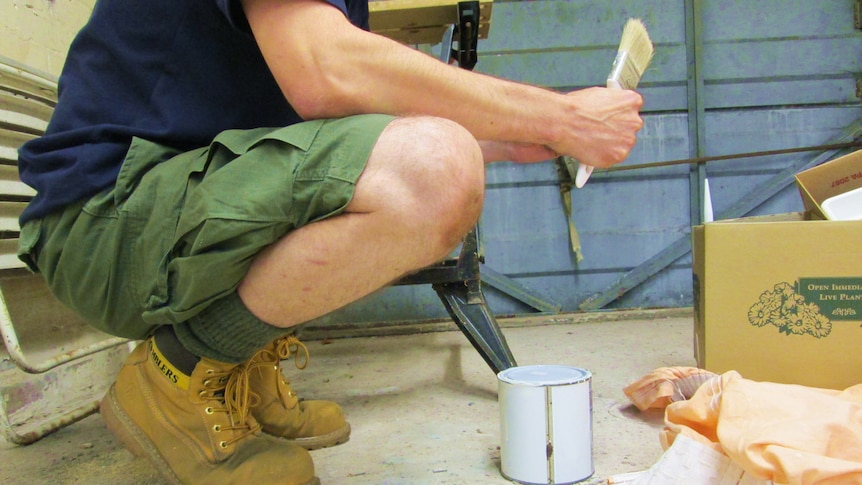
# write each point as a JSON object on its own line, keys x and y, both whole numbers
{"x": 234, "y": 204}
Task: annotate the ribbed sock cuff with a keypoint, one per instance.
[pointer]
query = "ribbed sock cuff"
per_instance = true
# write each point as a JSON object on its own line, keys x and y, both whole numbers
{"x": 226, "y": 331}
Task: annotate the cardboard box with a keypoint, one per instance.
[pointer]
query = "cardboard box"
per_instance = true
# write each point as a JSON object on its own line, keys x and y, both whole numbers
{"x": 779, "y": 298}
{"x": 828, "y": 180}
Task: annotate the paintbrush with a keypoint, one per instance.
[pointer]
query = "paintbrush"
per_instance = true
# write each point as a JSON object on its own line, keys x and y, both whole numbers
{"x": 633, "y": 57}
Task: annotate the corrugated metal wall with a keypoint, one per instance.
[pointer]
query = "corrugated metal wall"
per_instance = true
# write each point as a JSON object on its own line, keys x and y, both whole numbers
{"x": 729, "y": 77}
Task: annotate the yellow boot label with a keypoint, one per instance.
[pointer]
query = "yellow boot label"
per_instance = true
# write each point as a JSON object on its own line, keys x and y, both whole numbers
{"x": 167, "y": 369}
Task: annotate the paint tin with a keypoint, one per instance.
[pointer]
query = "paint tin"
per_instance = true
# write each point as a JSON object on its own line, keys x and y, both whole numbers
{"x": 546, "y": 424}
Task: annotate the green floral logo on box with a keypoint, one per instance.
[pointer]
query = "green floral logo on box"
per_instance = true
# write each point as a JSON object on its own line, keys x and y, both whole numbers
{"x": 787, "y": 310}
{"x": 808, "y": 307}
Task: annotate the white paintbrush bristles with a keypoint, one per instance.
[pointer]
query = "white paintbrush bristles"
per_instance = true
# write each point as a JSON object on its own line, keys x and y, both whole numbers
{"x": 635, "y": 53}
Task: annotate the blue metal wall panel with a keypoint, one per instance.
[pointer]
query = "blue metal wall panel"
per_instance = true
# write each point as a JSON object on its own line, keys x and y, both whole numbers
{"x": 757, "y": 130}
{"x": 777, "y": 74}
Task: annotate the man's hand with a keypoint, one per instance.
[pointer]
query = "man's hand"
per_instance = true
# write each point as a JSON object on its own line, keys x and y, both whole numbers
{"x": 608, "y": 121}
{"x": 603, "y": 126}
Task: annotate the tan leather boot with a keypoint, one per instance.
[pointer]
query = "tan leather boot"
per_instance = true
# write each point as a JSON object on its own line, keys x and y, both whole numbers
{"x": 310, "y": 424}
{"x": 196, "y": 429}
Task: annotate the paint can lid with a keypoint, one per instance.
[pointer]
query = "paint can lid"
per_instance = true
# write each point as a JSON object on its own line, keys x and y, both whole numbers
{"x": 544, "y": 375}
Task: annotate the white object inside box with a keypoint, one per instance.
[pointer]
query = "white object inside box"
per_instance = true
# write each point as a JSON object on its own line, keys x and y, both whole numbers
{"x": 844, "y": 207}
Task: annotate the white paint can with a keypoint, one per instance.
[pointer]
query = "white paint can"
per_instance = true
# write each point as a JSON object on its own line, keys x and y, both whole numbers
{"x": 546, "y": 424}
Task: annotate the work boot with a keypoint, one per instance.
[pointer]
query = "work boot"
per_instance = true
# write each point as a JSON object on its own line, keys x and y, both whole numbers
{"x": 310, "y": 424}
{"x": 196, "y": 428}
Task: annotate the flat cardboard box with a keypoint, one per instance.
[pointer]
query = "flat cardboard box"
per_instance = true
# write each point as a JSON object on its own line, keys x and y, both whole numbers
{"x": 779, "y": 299}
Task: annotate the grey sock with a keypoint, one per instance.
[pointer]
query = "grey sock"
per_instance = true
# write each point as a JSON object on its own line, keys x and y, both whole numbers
{"x": 226, "y": 331}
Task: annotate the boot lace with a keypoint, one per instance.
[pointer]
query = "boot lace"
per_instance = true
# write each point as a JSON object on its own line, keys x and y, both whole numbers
{"x": 291, "y": 345}
{"x": 229, "y": 393}
{"x": 282, "y": 349}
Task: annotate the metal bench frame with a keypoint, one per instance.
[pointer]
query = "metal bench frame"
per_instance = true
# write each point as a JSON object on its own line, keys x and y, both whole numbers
{"x": 27, "y": 99}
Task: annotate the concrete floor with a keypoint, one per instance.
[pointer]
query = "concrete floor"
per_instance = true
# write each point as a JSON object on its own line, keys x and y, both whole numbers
{"x": 423, "y": 407}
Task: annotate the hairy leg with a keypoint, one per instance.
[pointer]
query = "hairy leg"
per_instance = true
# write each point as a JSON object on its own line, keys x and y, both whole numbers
{"x": 421, "y": 191}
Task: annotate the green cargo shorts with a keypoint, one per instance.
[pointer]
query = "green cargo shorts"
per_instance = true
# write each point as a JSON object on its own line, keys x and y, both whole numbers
{"x": 180, "y": 230}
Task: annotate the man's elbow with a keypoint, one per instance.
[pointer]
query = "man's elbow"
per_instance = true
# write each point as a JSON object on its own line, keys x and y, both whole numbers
{"x": 312, "y": 103}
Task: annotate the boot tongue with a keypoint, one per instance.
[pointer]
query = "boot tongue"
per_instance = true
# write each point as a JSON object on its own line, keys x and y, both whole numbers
{"x": 168, "y": 369}
{"x": 171, "y": 347}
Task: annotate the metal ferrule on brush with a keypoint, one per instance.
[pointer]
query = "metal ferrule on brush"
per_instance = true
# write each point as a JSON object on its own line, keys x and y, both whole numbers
{"x": 623, "y": 72}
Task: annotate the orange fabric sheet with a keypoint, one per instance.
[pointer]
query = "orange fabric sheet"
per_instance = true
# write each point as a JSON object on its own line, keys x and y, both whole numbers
{"x": 789, "y": 434}
{"x": 665, "y": 385}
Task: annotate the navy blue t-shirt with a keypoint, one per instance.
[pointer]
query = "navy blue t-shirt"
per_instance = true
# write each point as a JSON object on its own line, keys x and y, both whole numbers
{"x": 175, "y": 72}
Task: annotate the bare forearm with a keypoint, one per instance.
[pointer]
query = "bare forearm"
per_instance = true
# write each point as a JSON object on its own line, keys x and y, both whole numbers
{"x": 359, "y": 72}
{"x": 344, "y": 70}
{"x": 412, "y": 83}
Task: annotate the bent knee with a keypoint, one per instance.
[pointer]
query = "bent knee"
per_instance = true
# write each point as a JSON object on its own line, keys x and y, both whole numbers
{"x": 449, "y": 177}
{"x": 431, "y": 170}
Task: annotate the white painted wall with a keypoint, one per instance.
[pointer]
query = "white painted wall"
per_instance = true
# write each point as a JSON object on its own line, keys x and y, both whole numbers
{"x": 37, "y": 33}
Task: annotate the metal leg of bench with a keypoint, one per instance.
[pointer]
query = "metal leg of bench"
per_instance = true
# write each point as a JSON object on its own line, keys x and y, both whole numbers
{"x": 467, "y": 307}
{"x": 46, "y": 428}
{"x": 25, "y": 363}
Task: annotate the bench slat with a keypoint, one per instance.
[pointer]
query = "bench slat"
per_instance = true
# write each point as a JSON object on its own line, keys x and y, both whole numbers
{"x": 8, "y": 254}
{"x": 28, "y": 82}
{"x": 18, "y": 111}
{"x": 11, "y": 185}
{"x": 10, "y": 140}
{"x": 9, "y": 213}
